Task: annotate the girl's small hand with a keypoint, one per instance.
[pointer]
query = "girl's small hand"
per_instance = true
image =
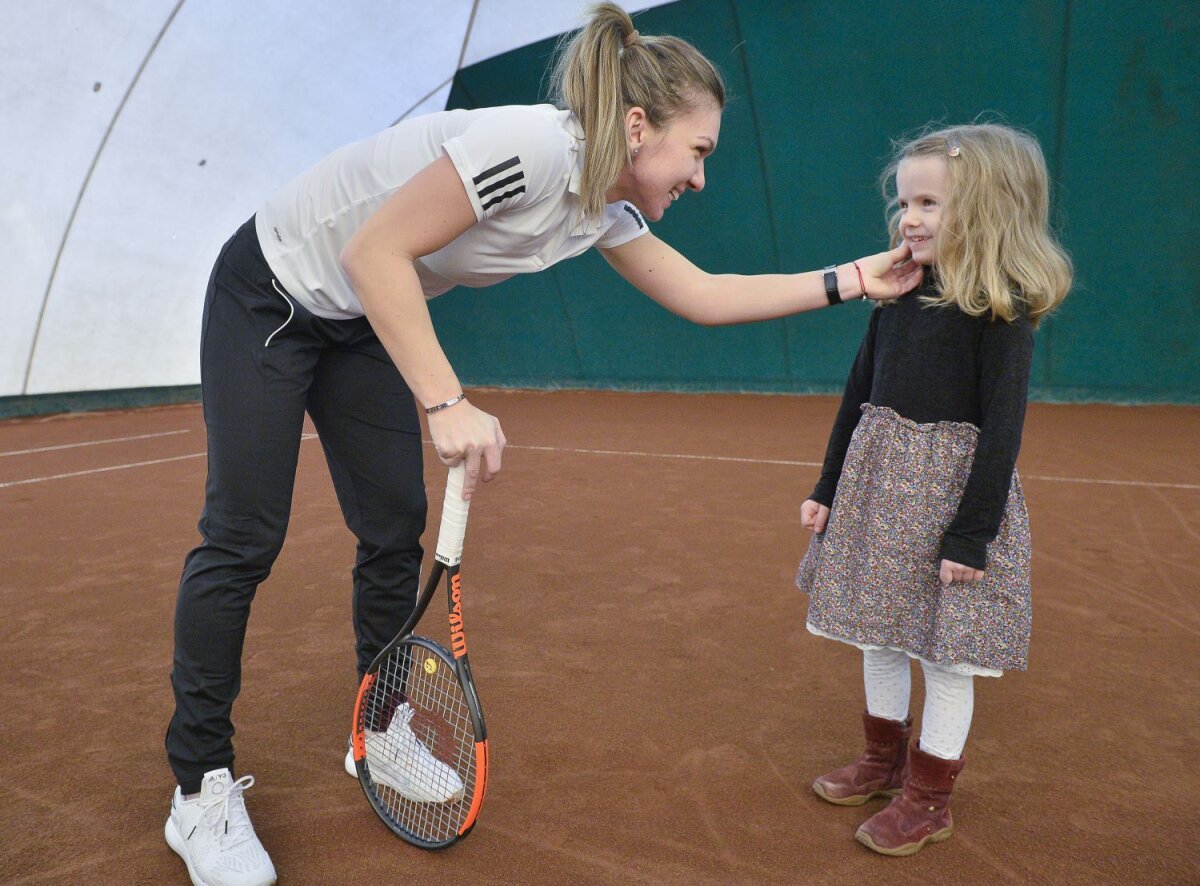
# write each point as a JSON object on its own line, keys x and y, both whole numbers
{"x": 890, "y": 274}
{"x": 814, "y": 516}
{"x": 462, "y": 433}
{"x": 952, "y": 571}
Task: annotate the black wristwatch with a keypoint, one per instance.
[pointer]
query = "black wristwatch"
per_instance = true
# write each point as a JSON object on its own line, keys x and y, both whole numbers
{"x": 831, "y": 286}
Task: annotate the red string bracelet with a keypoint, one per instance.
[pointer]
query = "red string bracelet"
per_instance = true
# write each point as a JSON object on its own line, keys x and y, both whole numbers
{"x": 861, "y": 284}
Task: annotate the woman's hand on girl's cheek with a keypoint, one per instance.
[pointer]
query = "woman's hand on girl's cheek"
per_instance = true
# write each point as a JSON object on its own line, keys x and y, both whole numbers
{"x": 890, "y": 274}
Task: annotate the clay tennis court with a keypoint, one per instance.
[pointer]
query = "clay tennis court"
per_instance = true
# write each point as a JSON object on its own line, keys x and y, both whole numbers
{"x": 656, "y": 708}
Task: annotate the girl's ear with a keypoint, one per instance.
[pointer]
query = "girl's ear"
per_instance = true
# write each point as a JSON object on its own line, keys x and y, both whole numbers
{"x": 635, "y": 127}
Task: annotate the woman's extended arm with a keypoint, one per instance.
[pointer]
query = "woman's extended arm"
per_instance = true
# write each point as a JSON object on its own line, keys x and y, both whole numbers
{"x": 424, "y": 215}
{"x": 662, "y": 273}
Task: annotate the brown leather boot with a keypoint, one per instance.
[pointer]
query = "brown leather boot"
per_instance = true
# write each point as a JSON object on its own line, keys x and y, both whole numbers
{"x": 879, "y": 772}
{"x": 921, "y": 814}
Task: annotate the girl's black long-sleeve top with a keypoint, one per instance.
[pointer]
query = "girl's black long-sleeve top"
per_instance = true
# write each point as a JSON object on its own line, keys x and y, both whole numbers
{"x": 934, "y": 363}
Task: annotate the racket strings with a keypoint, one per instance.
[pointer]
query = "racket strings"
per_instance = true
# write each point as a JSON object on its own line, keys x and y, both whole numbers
{"x": 420, "y": 741}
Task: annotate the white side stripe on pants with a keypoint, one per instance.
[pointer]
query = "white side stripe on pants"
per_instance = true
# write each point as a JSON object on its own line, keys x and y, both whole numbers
{"x": 291, "y": 313}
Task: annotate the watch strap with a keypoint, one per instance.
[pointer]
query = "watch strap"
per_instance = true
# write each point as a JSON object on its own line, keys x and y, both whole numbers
{"x": 831, "y": 285}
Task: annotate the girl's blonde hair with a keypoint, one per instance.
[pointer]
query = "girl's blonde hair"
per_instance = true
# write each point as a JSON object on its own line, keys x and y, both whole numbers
{"x": 607, "y": 68}
{"x": 995, "y": 249}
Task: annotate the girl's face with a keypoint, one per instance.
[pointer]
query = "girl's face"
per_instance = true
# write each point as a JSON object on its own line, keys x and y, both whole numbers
{"x": 668, "y": 161}
{"x": 922, "y": 184}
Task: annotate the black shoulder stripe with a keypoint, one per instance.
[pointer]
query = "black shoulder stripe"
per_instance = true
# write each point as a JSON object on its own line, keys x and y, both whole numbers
{"x": 501, "y": 183}
{"x": 497, "y": 169}
{"x": 490, "y": 180}
{"x": 637, "y": 216}
{"x": 504, "y": 196}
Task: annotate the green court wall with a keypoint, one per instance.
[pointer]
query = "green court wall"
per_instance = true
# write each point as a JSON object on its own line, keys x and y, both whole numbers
{"x": 818, "y": 90}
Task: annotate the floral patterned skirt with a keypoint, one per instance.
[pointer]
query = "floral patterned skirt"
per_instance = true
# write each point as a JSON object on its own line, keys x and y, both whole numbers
{"x": 872, "y": 576}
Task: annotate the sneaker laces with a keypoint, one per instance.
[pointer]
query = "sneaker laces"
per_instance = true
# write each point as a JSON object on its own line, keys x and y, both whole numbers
{"x": 403, "y": 716}
{"x": 409, "y": 751}
{"x": 228, "y": 813}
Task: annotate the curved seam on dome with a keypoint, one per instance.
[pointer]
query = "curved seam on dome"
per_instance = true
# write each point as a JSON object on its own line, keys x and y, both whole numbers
{"x": 458, "y": 67}
{"x": 37, "y": 330}
{"x": 467, "y": 36}
{"x": 423, "y": 99}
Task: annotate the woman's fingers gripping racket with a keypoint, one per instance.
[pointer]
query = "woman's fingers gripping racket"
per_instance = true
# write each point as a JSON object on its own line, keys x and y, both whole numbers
{"x": 465, "y": 435}
{"x": 483, "y": 464}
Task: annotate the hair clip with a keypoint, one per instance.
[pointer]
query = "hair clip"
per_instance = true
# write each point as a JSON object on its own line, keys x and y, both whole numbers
{"x": 953, "y": 148}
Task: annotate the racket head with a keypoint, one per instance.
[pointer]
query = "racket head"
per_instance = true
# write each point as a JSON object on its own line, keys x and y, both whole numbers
{"x": 419, "y": 744}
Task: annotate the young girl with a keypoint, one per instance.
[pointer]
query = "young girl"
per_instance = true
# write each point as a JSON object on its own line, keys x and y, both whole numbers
{"x": 922, "y": 545}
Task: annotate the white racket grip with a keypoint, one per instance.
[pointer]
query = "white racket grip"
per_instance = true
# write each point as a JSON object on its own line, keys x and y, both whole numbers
{"x": 454, "y": 519}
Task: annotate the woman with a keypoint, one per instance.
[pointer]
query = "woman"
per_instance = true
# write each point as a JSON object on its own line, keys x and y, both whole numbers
{"x": 317, "y": 301}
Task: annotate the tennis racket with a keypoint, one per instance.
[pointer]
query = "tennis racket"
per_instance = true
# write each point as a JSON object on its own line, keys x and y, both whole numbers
{"x": 418, "y": 740}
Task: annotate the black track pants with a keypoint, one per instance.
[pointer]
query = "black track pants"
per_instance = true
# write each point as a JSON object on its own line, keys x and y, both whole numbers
{"x": 265, "y": 360}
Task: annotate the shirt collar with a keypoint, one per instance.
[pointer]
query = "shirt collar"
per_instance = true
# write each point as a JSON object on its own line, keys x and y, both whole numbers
{"x": 585, "y": 225}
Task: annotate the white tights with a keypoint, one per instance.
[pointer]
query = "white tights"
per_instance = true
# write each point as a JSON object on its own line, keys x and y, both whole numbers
{"x": 949, "y": 699}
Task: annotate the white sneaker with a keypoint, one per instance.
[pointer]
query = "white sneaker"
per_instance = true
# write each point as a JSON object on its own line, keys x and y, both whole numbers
{"x": 213, "y": 835}
{"x": 399, "y": 760}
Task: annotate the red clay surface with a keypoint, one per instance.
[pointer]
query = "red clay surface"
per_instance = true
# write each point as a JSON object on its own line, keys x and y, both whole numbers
{"x": 656, "y": 707}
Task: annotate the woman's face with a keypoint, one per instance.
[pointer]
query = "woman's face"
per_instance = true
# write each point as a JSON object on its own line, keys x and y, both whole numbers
{"x": 667, "y": 161}
{"x": 921, "y": 189}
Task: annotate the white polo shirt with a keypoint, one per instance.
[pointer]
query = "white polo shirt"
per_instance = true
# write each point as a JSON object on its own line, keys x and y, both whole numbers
{"x": 521, "y": 166}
